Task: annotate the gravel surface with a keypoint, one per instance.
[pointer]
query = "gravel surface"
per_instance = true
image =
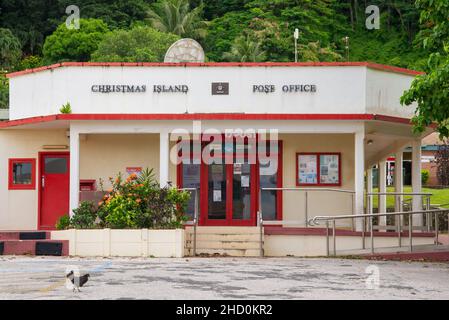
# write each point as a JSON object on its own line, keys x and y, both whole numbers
{"x": 223, "y": 278}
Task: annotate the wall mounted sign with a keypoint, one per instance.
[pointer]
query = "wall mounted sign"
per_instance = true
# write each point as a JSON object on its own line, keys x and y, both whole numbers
{"x": 307, "y": 169}
{"x": 291, "y": 88}
{"x": 131, "y": 170}
{"x": 122, "y": 88}
{"x": 162, "y": 88}
{"x": 320, "y": 169}
{"x": 266, "y": 88}
{"x": 299, "y": 88}
{"x": 220, "y": 88}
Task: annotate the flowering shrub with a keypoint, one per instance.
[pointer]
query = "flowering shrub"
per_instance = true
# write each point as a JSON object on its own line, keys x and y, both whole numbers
{"x": 84, "y": 217}
{"x": 139, "y": 202}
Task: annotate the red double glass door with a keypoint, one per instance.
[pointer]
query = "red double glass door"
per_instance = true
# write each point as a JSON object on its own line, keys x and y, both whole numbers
{"x": 229, "y": 184}
{"x": 229, "y": 192}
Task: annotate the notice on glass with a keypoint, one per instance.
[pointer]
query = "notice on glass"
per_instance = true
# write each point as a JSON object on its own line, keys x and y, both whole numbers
{"x": 244, "y": 181}
{"x": 307, "y": 169}
{"x": 237, "y": 168}
{"x": 329, "y": 170}
{"x": 217, "y": 195}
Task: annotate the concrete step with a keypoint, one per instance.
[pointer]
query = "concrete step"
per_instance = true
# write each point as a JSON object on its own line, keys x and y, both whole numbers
{"x": 223, "y": 237}
{"x": 225, "y": 230}
{"x": 227, "y": 252}
{"x": 24, "y": 235}
{"x": 35, "y": 247}
{"x": 225, "y": 245}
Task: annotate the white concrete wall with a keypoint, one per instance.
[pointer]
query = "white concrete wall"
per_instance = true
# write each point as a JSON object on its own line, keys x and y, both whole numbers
{"x": 339, "y": 90}
{"x": 319, "y": 202}
{"x": 383, "y": 92}
{"x": 18, "y": 208}
{"x": 123, "y": 243}
{"x": 105, "y": 155}
{"x": 314, "y": 246}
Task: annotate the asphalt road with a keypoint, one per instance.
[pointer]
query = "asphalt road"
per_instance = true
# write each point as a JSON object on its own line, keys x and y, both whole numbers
{"x": 223, "y": 278}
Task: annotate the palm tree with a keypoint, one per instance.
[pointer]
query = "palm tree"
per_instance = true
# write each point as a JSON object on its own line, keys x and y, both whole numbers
{"x": 175, "y": 16}
{"x": 245, "y": 50}
{"x": 10, "y": 49}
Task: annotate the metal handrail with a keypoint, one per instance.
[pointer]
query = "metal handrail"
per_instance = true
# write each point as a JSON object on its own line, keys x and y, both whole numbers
{"x": 194, "y": 222}
{"x": 308, "y": 189}
{"x": 399, "y": 195}
{"x": 306, "y": 203}
{"x": 317, "y": 219}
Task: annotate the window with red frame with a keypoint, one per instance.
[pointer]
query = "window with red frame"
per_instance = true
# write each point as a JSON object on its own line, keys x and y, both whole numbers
{"x": 22, "y": 174}
{"x": 318, "y": 169}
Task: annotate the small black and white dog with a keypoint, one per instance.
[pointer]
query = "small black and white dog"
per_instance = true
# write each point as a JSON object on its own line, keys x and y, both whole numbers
{"x": 77, "y": 282}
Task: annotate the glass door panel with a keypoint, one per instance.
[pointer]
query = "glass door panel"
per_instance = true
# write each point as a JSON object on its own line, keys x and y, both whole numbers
{"x": 241, "y": 191}
{"x": 191, "y": 179}
{"x": 216, "y": 192}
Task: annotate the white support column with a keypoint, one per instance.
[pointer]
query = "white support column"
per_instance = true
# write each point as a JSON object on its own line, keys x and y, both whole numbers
{"x": 382, "y": 189}
{"x": 164, "y": 159}
{"x": 74, "y": 170}
{"x": 359, "y": 176}
{"x": 416, "y": 181}
{"x": 369, "y": 189}
{"x": 398, "y": 180}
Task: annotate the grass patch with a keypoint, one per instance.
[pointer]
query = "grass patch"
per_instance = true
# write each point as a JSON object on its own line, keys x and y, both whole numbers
{"x": 439, "y": 196}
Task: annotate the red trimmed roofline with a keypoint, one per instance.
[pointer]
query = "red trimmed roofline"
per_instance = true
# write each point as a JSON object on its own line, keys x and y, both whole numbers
{"x": 371, "y": 65}
{"x": 204, "y": 116}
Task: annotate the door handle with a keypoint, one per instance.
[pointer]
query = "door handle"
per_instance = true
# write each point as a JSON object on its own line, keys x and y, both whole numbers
{"x": 43, "y": 181}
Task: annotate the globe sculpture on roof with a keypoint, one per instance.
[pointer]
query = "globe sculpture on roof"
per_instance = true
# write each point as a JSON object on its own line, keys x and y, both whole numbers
{"x": 185, "y": 50}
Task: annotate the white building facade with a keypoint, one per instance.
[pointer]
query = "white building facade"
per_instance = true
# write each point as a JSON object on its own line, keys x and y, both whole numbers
{"x": 327, "y": 124}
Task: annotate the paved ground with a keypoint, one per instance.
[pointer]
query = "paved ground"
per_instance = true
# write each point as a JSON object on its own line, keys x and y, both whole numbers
{"x": 224, "y": 278}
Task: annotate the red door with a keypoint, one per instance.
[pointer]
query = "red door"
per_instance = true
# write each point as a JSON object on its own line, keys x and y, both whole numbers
{"x": 54, "y": 188}
{"x": 229, "y": 189}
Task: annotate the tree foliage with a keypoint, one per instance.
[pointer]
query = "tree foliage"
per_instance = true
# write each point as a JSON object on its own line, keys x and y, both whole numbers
{"x": 140, "y": 44}
{"x": 245, "y": 50}
{"x": 177, "y": 17}
{"x": 74, "y": 44}
{"x": 10, "y": 51}
{"x": 442, "y": 161}
{"x": 4, "y": 92}
{"x": 431, "y": 90}
{"x": 322, "y": 25}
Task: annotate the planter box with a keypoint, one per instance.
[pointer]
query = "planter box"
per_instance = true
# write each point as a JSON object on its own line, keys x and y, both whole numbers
{"x": 123, "y": 242}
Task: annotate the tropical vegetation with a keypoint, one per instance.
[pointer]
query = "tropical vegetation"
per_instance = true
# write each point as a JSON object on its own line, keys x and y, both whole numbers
{"x": 412, "y": 34}
{"x": 135, "y": 202}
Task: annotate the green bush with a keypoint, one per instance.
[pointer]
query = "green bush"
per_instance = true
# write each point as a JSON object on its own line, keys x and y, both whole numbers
{"x": 424, "y": 176}
{"x": 135, "y": 202}
{"x": 139, "y": 202}
{"x": 66, "y": 108}
{"x": 63, "y": 223}
{"x": 84, "y": 216}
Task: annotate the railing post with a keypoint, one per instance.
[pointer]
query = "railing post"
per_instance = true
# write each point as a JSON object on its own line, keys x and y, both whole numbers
{"x": 354, "y": 223}
{"x": 410, "y": 231}
{"x": 327, "y": 238}
{"x": 428, "y": 215}
{"x": 260, "y": 223}
{"x": 307, "y": 209}
{"x": 436, "y": 227}
{"x": 334, "y": 240}
{"x": 398, "y": 221}
{"x": 371, "y": 234}
{"x": 195, "y": 221}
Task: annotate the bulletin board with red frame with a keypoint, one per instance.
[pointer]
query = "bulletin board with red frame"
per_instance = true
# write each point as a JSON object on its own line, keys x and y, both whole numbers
{"x": 318, "y": 169}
